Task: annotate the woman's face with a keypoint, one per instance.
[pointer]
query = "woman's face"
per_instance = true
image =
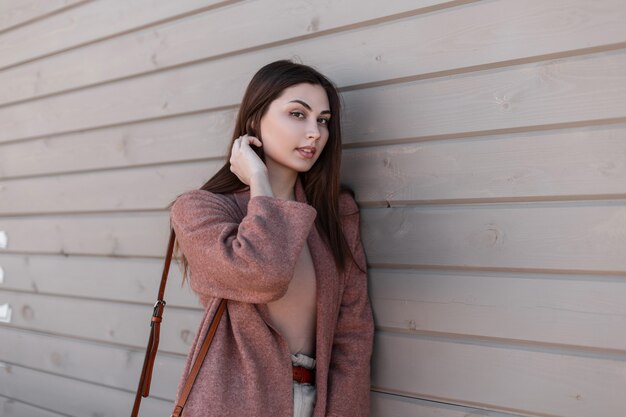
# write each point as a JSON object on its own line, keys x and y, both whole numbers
{"x": 297, "y": 118}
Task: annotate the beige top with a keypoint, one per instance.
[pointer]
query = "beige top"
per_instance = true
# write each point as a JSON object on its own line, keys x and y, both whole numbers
{"x": 293, "y": 315}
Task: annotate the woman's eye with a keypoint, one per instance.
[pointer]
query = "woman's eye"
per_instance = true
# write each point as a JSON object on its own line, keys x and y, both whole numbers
{"x": 321, "y": 120}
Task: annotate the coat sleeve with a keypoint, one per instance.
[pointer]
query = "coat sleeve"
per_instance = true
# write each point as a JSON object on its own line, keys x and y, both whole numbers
{"x": 251, "y": 259}
{"x": 349, "y": 373}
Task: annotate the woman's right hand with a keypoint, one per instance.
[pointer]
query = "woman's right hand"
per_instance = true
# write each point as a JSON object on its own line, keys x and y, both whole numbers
{"x": 244, "y": 162}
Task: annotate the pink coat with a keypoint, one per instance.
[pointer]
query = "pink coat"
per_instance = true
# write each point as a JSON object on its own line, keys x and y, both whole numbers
{"x": 245, "y": 250}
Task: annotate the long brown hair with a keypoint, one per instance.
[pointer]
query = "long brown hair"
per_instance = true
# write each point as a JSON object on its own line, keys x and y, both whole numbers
{"x": 321, "y": 183}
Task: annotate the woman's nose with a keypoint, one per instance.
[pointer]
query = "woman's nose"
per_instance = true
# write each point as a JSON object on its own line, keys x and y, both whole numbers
{"x": 314, "y": 131}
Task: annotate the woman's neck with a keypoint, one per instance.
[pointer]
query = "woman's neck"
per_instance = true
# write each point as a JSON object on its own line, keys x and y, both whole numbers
{"x": 283, "y": 184}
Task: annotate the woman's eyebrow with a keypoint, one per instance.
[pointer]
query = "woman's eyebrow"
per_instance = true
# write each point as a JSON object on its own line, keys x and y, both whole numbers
{"x": 307, "y": 106}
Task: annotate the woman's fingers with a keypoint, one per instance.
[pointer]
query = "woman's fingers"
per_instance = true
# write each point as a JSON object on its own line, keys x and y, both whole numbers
{"x": 247, "y": 139}
{"x": 244, "y": 162}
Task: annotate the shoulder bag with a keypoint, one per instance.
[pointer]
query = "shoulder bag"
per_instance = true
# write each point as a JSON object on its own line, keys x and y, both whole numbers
{"x": 143, "y": 390}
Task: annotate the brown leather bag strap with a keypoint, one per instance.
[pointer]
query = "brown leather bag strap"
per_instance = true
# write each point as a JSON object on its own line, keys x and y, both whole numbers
{"x": 153, "y": 341}
{"x": 143, "y": 390}
{"x": 195, "y": 369}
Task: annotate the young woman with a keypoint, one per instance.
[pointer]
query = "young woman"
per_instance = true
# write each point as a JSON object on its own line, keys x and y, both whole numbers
{"x": 275, "y": 234}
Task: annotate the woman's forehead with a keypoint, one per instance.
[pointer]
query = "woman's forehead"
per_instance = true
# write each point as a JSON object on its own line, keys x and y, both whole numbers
{"x": 313, "y": 95}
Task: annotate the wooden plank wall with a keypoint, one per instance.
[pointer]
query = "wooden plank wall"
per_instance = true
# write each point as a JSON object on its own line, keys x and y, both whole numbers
{"x": 486, "y": 142}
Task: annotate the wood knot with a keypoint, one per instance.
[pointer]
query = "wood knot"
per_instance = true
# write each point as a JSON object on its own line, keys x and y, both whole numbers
{"x": 27, "y": 312}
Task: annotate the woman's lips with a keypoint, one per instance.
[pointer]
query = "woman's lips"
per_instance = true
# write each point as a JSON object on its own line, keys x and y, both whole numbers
{"x": 306, "y": 153}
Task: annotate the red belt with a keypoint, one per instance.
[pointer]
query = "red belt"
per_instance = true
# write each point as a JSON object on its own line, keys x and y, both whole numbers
{"x": 303, "y": 375}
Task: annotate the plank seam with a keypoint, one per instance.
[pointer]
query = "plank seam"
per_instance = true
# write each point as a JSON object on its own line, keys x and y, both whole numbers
{"x": 35, "y": 406}
{"x": 411, "y": 397}
{"x": 147, "y": 305}
{"x": 83, "y": 381}
{"x": 496, "y": 65}
{"x": 511, "y": 202}
{"x": 132, "y": 348}
{"x": 44, "y": 16}
{"x": 507, "y": 343}
{"x": 480, "y": 268}
{"x": 490, "y": 132}
{"x": 471, "y": 404}
{"x": 76, "y": 339}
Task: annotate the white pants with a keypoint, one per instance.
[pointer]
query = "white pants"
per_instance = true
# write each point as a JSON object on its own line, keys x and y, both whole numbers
{"x": 303, "y": 394}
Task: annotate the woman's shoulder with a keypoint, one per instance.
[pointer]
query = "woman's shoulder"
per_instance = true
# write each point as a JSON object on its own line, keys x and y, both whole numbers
{"x": 202, "y": 196}
{"x": 193, "y": 200}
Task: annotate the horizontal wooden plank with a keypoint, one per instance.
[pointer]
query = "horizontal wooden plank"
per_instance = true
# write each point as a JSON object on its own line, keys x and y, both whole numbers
{"x": 73, "y": 397}
{"x": 388, "y": 405}
{"x": 582, "y": 237}
{"x": 13, "y": 408}
{"x": 88, "y": 23}
{"x": 570, "y": 163}
{"x": 566, "y": 90}
{"x": 508, "y": 378}
{"x": 105, "y": 278}
{"x": 556, "y": 92}
{"x": 185, "y": 40}
{"x": 101, "y": 321}
{"x": 14, "y": 13}
{"x": 182, "y": 138}
{"x": 143, "y": 234}
{"x": 98, "y": 363}
{"x": 577, "y": 311}
{"x": 117, "y": 189}
{"x": 476, "y": 34}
